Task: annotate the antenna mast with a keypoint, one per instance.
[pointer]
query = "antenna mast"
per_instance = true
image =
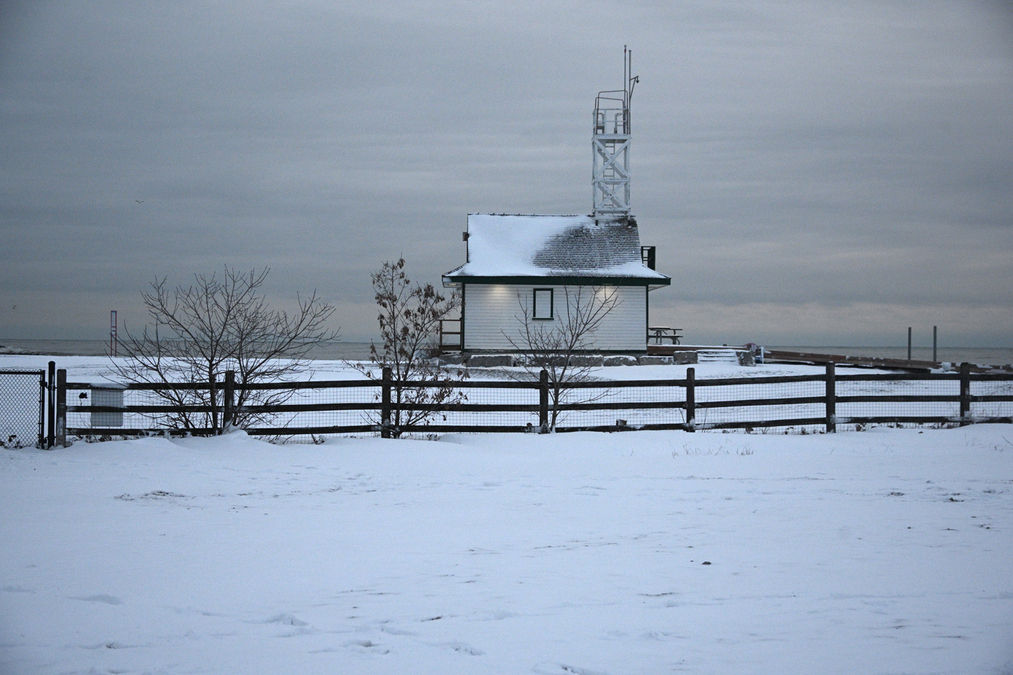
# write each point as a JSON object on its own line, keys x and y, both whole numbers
{"x": 610, "y": 146}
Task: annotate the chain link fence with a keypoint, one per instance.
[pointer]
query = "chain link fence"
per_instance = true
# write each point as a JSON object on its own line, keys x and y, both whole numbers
{"x": 796, "y": 403}
{"x": 603, "y": 405}
{"x": 22, "y": 401}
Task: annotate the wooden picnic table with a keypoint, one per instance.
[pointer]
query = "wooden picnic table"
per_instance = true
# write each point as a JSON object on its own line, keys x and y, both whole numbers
{"x": 661, "y": 333}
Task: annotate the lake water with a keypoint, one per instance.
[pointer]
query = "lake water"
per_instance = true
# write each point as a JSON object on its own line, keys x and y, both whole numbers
{"x": 359, "y": 351}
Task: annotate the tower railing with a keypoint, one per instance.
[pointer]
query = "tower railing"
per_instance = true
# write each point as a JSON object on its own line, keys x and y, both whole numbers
{"x": 611, "y": 113}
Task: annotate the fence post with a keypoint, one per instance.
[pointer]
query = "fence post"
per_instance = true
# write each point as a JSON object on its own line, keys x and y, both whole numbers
{"x": 51, "y": 406}
{"x": 965, "y": 393}
{"x": 385, "y": 403}
{"x": 831, "y": 399}
{"x": 229, "y": 404}
{"x": 691, "y": 399}
{"x": 61, "y": 408}
{"x": 543, "y": 402}
{"x": 40, "y": 441}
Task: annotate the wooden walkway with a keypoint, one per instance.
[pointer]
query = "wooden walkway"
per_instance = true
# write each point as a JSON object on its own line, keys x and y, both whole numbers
{"x": 816, "y": 359}
{"x": 775, "y": 356}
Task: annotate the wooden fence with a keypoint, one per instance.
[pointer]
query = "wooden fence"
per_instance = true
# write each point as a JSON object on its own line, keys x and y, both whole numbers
{"x": 801, "y": 402}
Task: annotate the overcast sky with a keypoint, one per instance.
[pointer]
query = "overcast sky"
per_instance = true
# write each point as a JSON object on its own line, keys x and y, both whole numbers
{"x": 811, "y": 173}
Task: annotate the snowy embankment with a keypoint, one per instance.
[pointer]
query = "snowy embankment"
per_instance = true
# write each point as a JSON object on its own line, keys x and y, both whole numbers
{"x": 887, "y": 551}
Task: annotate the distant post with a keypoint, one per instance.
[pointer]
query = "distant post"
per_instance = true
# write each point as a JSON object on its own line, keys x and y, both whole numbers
{"x": 935, "y": 332}
{"x": 112, "y": 333}
{"x": 909, "y": 343}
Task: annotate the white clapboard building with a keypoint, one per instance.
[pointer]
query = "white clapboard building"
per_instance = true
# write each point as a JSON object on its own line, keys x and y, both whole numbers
{"x": 522, "y": 270}
{"x": 533, "y": 268}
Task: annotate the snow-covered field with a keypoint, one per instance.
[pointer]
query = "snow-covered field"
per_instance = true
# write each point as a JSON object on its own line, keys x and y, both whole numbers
{"x": 886, "y": 551}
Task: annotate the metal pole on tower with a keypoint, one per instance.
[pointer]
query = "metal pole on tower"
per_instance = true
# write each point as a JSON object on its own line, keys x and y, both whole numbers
{"x": 112, "y": 333}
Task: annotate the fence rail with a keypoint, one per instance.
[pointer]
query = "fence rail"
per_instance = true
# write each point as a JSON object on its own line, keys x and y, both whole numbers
{"x": 822, "y": 402}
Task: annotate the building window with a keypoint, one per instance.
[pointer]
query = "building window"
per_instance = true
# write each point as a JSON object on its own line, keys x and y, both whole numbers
{"x": 543, "y": 304}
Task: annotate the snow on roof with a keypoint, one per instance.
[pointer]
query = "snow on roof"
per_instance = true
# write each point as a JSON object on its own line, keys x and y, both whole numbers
{"x": 502, "y": 245}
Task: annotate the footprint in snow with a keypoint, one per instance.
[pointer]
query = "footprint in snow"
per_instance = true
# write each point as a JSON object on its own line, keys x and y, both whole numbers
{"x": 463, "y": 648}
{"x": 16, "y": 589}
{"x": 367, "y": 647}
{"x": 106, "y": 645}
{"x": 104, "y": 599}
{"x": 563, "y": 669}
{"x": 285, "y": 620}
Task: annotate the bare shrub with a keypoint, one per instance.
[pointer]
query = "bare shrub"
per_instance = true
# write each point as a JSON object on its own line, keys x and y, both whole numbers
{"x": 198, "y": 332}
{"x": 409, "y": 319}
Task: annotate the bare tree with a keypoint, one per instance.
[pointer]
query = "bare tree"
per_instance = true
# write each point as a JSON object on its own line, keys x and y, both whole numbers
{"x": 199, "y": 332}
{"x": 556, "y": 346}
{"x": 409, "y": 321}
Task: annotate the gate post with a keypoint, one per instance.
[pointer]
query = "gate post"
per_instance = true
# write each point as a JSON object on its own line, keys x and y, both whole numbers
{"x": 691, "y": 399}
{"x": 965, "y": 393}
{"x": 831, "y": 399}
{"x": 543, "y": 402}
{"x": 61, "y": 408}
{"x": 40, "y": 441}
{"x": 229, "y": 404}
{"x": 385, "y": 404}
{"x": 51, "y": 406}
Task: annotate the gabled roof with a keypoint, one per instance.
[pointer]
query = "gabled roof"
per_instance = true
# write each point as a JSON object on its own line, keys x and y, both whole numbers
{"x": 506, "y": 248}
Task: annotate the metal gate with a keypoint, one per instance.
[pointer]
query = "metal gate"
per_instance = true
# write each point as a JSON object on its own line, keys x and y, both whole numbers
{"x": 22, "y": 408}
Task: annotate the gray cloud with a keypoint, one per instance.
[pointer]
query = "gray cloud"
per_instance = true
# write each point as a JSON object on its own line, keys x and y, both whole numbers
{"x": 847, "y": 162}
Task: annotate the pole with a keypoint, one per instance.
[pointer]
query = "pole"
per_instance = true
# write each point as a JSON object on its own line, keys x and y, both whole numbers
{"x": 112, "y": 333}
{"x": 543, "y": 402}
{"x": 965, "y": 393}
{"x": 909, "y": 343}
{"x": 691, "y": 399}
{"x": 51, "y": 406}
{"x": 385, "y": 403}
{"x": 61, "y": 408}
{"x": 831, "y": 399}
{"x": 935, "y": 332}
{"x": 230, "y": 400}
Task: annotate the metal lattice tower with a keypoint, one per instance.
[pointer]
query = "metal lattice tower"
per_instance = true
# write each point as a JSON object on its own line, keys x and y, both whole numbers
{"x": 610, "y": 146}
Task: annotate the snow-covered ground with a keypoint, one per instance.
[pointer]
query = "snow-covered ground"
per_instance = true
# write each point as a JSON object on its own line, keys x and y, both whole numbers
{"x": 885, "y": 551}
{"x": 98, "y": 369}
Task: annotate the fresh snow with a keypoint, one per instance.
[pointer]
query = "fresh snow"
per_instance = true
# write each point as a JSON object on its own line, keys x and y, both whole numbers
{"x": 506, "y": 245}
{"x": 499, "y": 245}
{"x": 99, "y": 369}
{"x": 886, "y": 551}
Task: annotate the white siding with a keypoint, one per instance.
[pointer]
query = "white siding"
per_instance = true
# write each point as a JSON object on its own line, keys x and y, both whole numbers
{"x": 494, "y": 311}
